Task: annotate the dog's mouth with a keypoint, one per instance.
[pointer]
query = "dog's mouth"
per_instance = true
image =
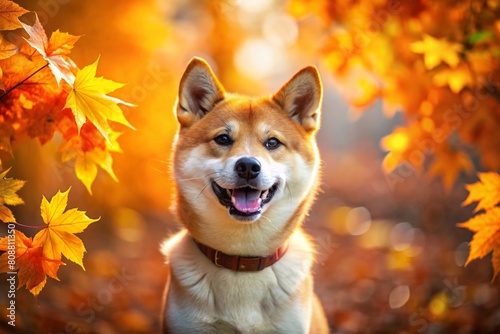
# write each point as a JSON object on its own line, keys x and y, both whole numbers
{"x": 245, "y": 202}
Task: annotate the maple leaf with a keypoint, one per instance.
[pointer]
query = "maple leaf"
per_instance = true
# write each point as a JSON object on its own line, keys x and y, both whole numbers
{"x": 456, "y": 78}
{"x": 59, "y": 235}
{"x": 33, "y": 265}
{"x": 486, "y": 228}
{"x": 436, "y": 51}
{"x": 55, "y": 50}
{"x": 449, "y": 163}
{"x": 486, "y": 191}
{"x": 9, "y": 12}
{"x": 88, "y": 101}
{"x": 90, "y": 150}
{"x": 8, "y": 189}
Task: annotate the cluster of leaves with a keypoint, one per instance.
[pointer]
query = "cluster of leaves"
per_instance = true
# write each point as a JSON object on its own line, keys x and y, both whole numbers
{"x": 42, "y": 92}
{"x": 37, "y": 257}
{"x": 438, "y": 64}
{"x": 486, "y": 226}
{"x": 45, "y": 92}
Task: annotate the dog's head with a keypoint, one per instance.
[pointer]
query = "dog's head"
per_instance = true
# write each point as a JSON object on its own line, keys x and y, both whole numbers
{"x": 242, "y": 160}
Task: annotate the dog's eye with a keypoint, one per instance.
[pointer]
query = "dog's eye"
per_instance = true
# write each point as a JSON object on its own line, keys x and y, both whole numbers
{"x": 272, "y": 143}
{"x": 223, "y": 140}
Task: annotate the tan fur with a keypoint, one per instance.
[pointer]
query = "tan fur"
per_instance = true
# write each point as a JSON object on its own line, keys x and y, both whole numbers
{"x": 201, "y": 297}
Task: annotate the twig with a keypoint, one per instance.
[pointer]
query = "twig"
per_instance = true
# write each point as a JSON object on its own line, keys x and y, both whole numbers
{"x": 31, "y": 226}
{"x": 21, "y": 82}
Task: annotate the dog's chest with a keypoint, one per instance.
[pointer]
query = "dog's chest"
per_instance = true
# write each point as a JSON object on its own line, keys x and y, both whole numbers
{"x": 252, "y": 302}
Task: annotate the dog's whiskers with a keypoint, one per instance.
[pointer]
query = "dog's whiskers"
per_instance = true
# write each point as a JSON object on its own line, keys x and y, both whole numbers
{"x": 197, "y": 178}
{"x": 266, "y": 218}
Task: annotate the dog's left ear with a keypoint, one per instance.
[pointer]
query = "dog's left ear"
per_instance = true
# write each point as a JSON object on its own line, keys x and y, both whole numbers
{"x": 199, "y": 91}
{"x": 301, "y": 98}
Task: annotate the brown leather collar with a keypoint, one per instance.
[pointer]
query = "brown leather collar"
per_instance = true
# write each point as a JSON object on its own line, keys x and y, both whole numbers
{"x": 241, "y": 263}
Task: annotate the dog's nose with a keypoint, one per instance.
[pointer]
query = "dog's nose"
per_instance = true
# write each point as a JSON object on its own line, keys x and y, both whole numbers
{"x": 247, "y": 168}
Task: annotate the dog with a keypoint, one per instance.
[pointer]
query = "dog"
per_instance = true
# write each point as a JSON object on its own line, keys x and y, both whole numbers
{"x": 246, "y": 174}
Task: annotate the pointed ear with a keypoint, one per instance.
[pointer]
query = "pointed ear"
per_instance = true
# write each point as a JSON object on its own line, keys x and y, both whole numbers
{"x": 301, "y": 98}
{"x": 199, "y": 91}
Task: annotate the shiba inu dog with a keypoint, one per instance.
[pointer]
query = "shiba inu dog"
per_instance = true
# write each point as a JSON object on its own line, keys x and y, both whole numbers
{"x": 246, "y": 174}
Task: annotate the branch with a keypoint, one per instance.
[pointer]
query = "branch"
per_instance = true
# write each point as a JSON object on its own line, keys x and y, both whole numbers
{"x": 21, "y": 82}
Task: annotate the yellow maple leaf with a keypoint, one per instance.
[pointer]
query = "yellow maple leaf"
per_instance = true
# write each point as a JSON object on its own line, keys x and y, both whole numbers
{"x": 32, "y": 264}
{"x": 456, "y": 78}
{"x": 59, "y": 235}
{"x": 9, "y": 12}
{"x": 88, "y": 101}
{"x": 436, "y": 51}
{"x": 397, "y": 143}
{"x": 486, "y": 191}
{"x": 486, "y": 228}
{"x": 8, "y": 195}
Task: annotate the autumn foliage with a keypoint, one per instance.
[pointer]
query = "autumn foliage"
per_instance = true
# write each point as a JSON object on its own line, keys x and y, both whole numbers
{"x": 486, "y": 225}
{"x": 43, "y": 92}
{"x": 41, "y": 255}
{"x": 438, "y": 64}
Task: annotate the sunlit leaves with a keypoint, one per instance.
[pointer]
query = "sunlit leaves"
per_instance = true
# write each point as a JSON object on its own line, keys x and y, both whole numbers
{"x": 486, "y": 226}
{"x": 45, "y": 92}
{"x": 55, "y": 50}
{"x": 40, "y": 256}
{"x": 436, "y": 51}
{"x": 9, "y": 13}
{"x": 59, "y": 236}
{"x": 30, "y": 261}
{"x": 435, "y": 63}
{"x": 486, "y": 192}
{"x": 8, "y": 196}
{"x": 88, "y": 101}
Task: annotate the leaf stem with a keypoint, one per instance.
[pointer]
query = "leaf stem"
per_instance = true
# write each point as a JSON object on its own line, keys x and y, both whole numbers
{"x": 31, "y": 226}
{"x": 23, "y": 81}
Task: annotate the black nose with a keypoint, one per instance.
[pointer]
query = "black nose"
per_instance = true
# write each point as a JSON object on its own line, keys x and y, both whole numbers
{"x": 247, "y": 168}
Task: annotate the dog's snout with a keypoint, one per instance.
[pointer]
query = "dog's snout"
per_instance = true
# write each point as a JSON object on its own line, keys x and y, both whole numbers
{"x": 247, "y": 168}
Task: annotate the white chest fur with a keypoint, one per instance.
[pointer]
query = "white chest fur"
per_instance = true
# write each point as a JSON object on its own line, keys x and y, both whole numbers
{"x": 223, "y": 301}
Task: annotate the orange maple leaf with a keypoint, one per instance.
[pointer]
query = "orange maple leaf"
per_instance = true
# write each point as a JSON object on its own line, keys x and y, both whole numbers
{"x": 486, "y": 228}
{"x": 33, "y": 265}
{"x": 90, "y": 149}
{"x": 449, "y": 163}
{"x": 486, "y": 191}
{"x": 55, "y": 50}
{"x": 9, "y": 12}
{"x": 59, "y": 235}
{"x": 88, "y": 101}
{"x": 8, "y": 189}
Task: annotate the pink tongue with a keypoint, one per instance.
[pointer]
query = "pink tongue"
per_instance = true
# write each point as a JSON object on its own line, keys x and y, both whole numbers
{"x": 245, "y": 200}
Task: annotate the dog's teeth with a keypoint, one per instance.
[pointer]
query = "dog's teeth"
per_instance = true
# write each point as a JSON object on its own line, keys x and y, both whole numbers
{"x": 264, "y": 194}
{"x": 229, "y": 192}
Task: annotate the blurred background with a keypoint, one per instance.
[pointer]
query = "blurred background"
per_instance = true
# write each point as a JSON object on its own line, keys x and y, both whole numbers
{"x": 391, "y": 258}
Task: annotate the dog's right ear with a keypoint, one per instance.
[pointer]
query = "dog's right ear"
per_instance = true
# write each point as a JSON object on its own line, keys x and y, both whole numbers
{"x": 199, "y": 91}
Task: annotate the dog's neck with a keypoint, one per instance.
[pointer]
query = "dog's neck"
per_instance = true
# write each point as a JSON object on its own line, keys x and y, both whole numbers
{"x": 241, "y": 263}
